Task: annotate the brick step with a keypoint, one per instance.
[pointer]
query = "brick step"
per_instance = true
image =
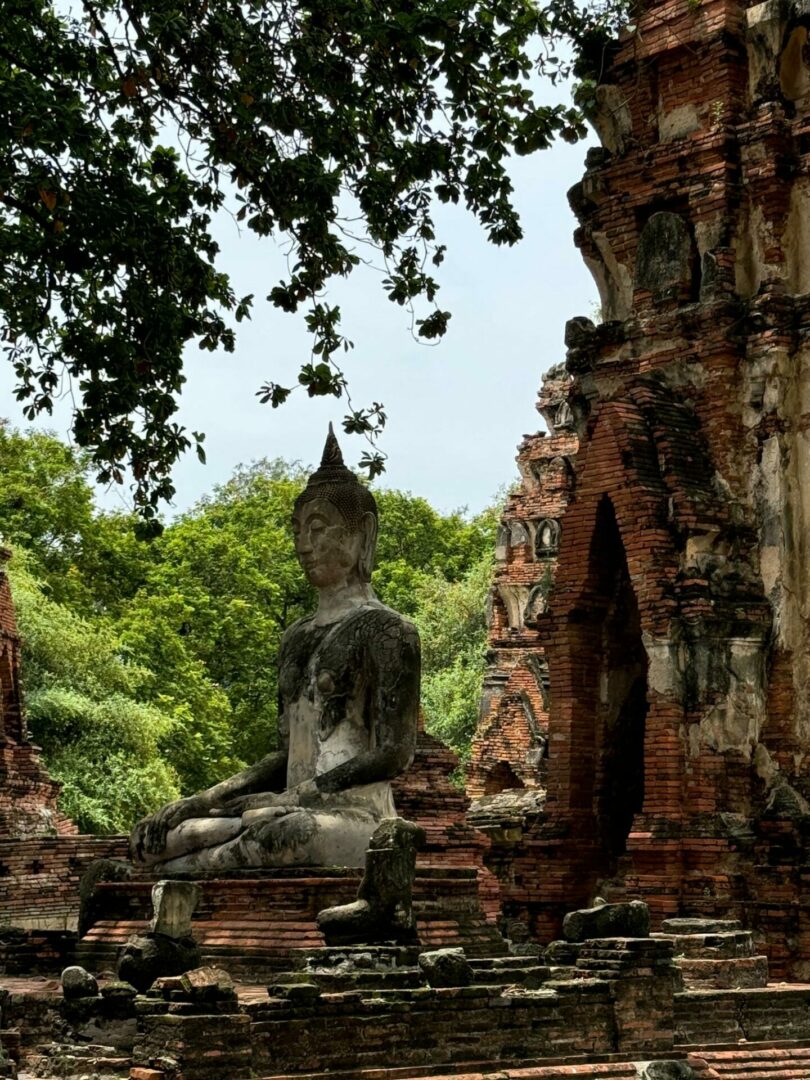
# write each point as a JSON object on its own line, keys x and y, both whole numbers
{"x": 512, "y": 976}
{"x": 69, "y": 1062}
{"x": 720, "y": 946}
{"x": 698, "y": 925}
{"x": 767, "y": 1064}
{"x": 469, "y": 1071}
{"x": 745, "y": 972}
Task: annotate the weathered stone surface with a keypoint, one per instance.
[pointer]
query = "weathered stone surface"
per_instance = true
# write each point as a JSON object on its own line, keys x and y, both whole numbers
{"x": 349, "y": 694}
{"x": 561, "y": 953}
{"x": 174, "y": 902}
{"x": 723, "y": 974}
{"x": 383, "y": 910}
{"x": 297, "y": 993}
{"x": 208, "y": 984}
{"x": 668, "y": 1070}
{"x": 665, "y": 255}
{"x": 446, "y": 967}
{"x": 608, "y": 920}
{"x": 147, "y": 957}
{"x": 78, "y": 983}
{"x": 688, "y": 925}
{"x": 120, "y": 990}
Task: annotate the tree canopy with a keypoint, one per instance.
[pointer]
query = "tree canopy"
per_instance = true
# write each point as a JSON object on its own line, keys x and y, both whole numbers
{"x": 150, "y": 666}
{"x": 329, "y": 124}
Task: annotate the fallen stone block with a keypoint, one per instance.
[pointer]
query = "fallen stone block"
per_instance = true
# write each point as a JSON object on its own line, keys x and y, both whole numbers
{"x": 174, "y": 903}
{"x": 446, "y": 967}
{"x": 78, "y": 983}
{"x": 630, "y": 920}
{"x": 208, "y": 984}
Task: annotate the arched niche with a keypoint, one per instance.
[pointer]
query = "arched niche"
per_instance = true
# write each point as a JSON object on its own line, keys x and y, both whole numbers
{"x": 794, "y": 64}
{"x": 606, "y": 640}
{"x": 547, "y": 538}
{"x": 535, "y": 605}
{"x": 667, "y": 261}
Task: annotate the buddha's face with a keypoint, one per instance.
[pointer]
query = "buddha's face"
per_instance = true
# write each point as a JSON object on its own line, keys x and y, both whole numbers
{"x": 328, "y": 550}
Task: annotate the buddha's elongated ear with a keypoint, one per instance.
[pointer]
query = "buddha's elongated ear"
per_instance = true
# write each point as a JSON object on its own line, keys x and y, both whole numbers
{"x": 368, "y": 532}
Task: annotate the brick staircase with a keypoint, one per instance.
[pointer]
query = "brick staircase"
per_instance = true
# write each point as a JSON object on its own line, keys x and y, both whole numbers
{"x": 770, "y": 1063}
{"x": 714, "y": 954}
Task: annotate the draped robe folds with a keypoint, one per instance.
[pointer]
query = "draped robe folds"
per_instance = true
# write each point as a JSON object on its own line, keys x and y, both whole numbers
{"x": 349, "y": 696}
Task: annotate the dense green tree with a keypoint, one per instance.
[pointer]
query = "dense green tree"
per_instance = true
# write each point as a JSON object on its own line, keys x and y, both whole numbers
{"x": 91, "y": 561}
{"x": 86, "y": 705}
{"x": 46, "y": 504}
{"x": 330, "y": 124}
{"x": 451, "y": 616}
{"x": 151, "y": 666}
{"x": 223, "y": 590}
{"x": 418, "y": 544}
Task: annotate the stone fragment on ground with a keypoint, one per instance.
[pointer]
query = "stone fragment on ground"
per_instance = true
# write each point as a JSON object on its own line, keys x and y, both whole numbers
{"x": 78, "y": 983}
{"x": 608, "y": 920}
{"x": 446, "y": 967}
{"x": 668, "y": 1070}
{"x": 208, "y": 984}
{"x": 147, "y": 957}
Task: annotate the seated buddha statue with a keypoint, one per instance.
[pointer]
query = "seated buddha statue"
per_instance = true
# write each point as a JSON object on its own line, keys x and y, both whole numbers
{"x": 348, "y": 704}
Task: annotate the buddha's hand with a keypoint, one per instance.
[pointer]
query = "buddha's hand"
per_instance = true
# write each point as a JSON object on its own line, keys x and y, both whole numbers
{"x": 239, "y": 806}
{"x": 307, "y": 793}
{"x": 149, "y": 836}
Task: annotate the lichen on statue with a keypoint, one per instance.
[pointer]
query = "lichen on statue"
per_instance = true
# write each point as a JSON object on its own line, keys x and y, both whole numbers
{"x": 349, "y": 698}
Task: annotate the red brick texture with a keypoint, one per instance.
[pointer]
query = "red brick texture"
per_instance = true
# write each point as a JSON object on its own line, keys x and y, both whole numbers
{"x": 510, "y": 746}
{"x": 677, "y": 630}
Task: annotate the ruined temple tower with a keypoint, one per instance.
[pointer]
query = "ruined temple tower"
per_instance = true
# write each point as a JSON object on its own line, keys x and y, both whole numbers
{"x": 677, "y": 633}
{"x": 511, "y": 745}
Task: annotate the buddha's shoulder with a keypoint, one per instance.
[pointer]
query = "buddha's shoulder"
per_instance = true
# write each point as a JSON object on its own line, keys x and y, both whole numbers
{"x": 369, "y": 623}
{"x": 377, "y": 618}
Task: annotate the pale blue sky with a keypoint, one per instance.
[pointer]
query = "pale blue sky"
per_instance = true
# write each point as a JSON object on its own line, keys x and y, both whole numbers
{"x": 456, "y": 411}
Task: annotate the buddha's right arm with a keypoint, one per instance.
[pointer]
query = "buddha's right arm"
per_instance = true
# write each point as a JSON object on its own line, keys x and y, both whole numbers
{"x": 268, "y": 774}
{"x": 149, "y": 836}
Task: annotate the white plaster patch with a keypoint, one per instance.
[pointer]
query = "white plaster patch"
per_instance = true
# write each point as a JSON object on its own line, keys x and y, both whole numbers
{"x": 796, "y": 238}
{"x": 764, "y": 765}
{"x": 678, "y": 122}
{"x": 611, "y": 120}
{"x": 735, "y": 723}
{"x": 764, "y": 39}
{"x": 665, "y": 665}
{"x": 616, "y": 288}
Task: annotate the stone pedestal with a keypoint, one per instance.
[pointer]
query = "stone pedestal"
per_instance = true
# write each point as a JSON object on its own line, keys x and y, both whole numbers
{"x": 264, "y": 922}
{"x": 643, "y": 980}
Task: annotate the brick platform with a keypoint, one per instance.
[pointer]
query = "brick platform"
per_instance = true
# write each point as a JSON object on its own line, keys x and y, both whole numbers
{"x": 263, "y": 923}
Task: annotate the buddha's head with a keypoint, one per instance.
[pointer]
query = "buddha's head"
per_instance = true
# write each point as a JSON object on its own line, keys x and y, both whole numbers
{"x": 335, "y": 523}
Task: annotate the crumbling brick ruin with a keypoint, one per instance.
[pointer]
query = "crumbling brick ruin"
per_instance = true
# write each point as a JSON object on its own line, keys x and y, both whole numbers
{"x": 678, "y": 631}
{"x": 510, "y": 747}
{"x": 41, "y": 854}
{"x": 646, "y": 719}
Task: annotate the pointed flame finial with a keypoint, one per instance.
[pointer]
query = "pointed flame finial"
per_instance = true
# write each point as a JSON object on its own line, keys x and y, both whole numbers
{"x": 336, "y": 483}
{"x": 332, "y": 456}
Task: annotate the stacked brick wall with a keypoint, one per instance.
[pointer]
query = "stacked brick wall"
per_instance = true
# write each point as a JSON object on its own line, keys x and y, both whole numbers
{"x": 677, "y": 631}
{"x": 509, "y": 748}
{"x": 39, "y": 877}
